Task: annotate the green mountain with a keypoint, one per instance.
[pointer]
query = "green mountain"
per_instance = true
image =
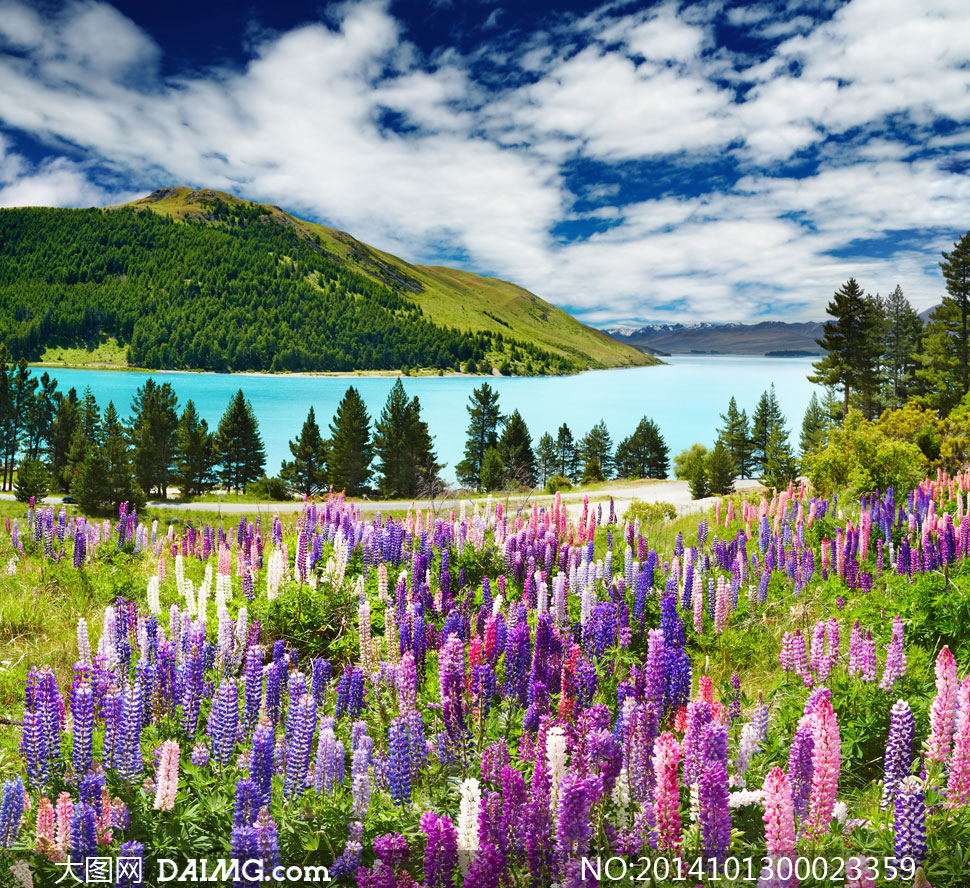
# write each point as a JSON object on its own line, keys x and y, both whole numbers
{"x": 187, "y": 279}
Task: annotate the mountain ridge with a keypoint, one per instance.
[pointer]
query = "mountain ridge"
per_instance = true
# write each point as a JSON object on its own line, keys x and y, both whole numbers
{"x": 762, "y": 337}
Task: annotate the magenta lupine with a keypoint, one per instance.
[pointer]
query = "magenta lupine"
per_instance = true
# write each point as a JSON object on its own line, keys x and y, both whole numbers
{"x": 958, "y": 786}
{"x": 895, "y": 657}
{"x": 667, "y": 753}
{"x": 826, "y": 764}
{"x": 441, "y": 850}
{"x": 944, "y": 708}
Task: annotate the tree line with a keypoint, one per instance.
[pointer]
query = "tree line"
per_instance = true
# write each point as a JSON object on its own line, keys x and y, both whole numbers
{"x": 235, "y": 291}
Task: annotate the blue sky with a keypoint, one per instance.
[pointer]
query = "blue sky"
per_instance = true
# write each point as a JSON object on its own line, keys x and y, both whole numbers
{"x": 632, "y": 162}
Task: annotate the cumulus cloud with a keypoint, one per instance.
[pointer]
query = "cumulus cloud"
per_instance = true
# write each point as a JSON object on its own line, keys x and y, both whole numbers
{"x": 348, "y": 122}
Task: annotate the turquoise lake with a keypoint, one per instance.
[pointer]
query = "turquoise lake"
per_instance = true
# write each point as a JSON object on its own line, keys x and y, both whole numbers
{"x": 684, "y": 396}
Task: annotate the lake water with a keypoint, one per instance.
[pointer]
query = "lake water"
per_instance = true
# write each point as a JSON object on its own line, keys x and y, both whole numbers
{"x": 684, "y": 397}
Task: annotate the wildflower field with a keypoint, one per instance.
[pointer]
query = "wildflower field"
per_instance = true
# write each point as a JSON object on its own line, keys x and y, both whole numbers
{"x": 777, "y": 694}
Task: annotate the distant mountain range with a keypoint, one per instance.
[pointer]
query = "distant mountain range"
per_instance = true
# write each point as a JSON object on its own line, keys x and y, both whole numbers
{"x": 776, "y": 338}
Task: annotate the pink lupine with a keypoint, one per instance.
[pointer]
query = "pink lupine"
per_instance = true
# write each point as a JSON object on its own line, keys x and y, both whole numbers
{"x": 779, "y": 818}
{"x": 167, "y": 780}
{"x": 944, "y": 708}
{"x": 826, "y": 763}
{"x": 65, "y": 808}
{"x": 46, "y": 841}
{"x": 958, "y": 787}
{"x": 720, "y": 605}
{"x": 697, "y": 598}
{"x": 667, "y": 752}
{"x": 858, "y": 873}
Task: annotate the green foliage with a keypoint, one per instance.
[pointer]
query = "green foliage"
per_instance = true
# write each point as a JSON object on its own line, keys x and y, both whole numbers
{"x": 545, "y": 459}
{"x": 736, "y": 435}
{"x": 403, "y": 447}
{"x": 306, "y": 473}
{"x": 643, "y": 454}
{"x": 567, "y": 458}
{"x": 555, "y": 483}
{"x": 766, "y": 420}
{"x": 351, "y": 451}
{"x": 903, "y": 341}
{"x": 686, "y": 462}
{"x": 720, "y": 468}
{"x": 484, "y": 420}
{"x": 33, "y": 480}
{"x": 492, "y": 470}
{"x": 650, "y": 513}
{"x": 196, "y": 454}
{"x": 597, "y": 445}
{"x": 815, "y": 426}
{"x": 515, "y": 450}
{"x": 153, "y": 433}
{"x": 697, "y": 479}
{"x": 266, "y": 488}
{"x": 592, "y": 470}
{"x": 240, "y": 446}
{"x": 104, "y": 478}
{"x": 780, "y": 466}
{"x": 860, "y": 457}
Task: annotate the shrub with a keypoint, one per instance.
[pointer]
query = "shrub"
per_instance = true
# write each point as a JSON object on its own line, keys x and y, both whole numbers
{"x": 558, "y": 482}
{"x": 650, "y": 513}
{"x": 32, "y": 480}
{"x": 269, "y": 488}
{"x": 685, "y": 463}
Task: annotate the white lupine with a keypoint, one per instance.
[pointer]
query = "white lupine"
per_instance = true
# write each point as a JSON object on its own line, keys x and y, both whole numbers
{"x": 621, "y": 799}
{"x": 226, "y": 627}
{"x": 11, "y": 567}
{"x": 542, "y": 594}
{"x": 188, "y": 590}
{"x": 745, "y": 797}
{"x": 242, "y": 626}
{"x": 274, "y": 574}
{"x": 154, "y": 606}
{"x": 556, "y": 759}
{"x": 180, "y": 575}
{"x": 559, "y": 598}
{"x": 364, "y": 636}
{"x": 467, "y": 826}
{"x": 107, "y": 644}
{"x": 497, "y": 603}
{"x": 83, "y": 642}
{"x": 142, "y": 635}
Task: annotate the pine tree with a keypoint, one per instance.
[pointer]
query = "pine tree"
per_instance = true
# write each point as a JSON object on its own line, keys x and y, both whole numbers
{"x": 515, "y": 450}
{"x": 780, "y": 464}
{"x": 567, "y": 459}
{"x": 196, "y": 455}
{"x": 852, "y": 343}
{"x": 240, "y": 445}
{"x": 815, "y": 426}
{"x": 493, "y": 470}
{"x": 643, "y": 454}
{"x": 720, "y": 470}
{"x": 403, "y": 446}
{"x": 697, "y": 478}
{"x": 66, "y": 421}
{"x": 904, "y": 333}
{"x": 736, "y": 436}
{"x": 484, "y": 419}
{"x": 351, "y": 451}
{"x": 86, "y": 438}
{"x": 154, "y": 424}
{"x": 105, "y": 478}
{"x": 306, "y": 473}
{"x": 33, "y": 480}
{"x": 766, "y": 417}
{"x": 597, "y": 443}
{"x": 545, "y": 458}
{"x": 945, "y": 360}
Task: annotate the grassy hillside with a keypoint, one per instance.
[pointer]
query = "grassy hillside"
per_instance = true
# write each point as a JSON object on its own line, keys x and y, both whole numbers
{"x": 447, "y": 297}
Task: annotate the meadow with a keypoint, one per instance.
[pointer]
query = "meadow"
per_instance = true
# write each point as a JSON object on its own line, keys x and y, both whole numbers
{"x": 775, "y": 693}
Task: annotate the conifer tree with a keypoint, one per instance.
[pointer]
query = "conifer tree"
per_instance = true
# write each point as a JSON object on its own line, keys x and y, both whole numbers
{"x": 351, "y": 451}
{"x": 545, "y": 459}
{"x": 567, "y": 459}
{"x": 196, "y": 455}
{"x": 403, "y": 446}
{"x": 493, "y": 470}
{"x": 240, "y": 445}
{"x": 904, "y": 333}
{"x": 105, "y": 478}
{"x": 154, "y": 423}
{"x": 853, "y": 343}
{"x": 306, "y": 473}
{"x": 945, "y": 360}
{"x": 597, "y": 443}
{"x": 766, "y": 417}
{"x": 780, "y": 465}
{"x": 736, "y": 436}
{"x": 815, "y": 426}
{"x": 515, "y": 450}
{"x": 67, "y": 418}
{"x": 484, "y": 420}
{"x": 720, "y": 470}
{"x": 643, "y": 454}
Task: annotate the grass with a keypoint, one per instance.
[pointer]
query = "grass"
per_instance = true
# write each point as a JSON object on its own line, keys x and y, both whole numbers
{"x": 447, "y": 296}
{"x": 107, "y": 352}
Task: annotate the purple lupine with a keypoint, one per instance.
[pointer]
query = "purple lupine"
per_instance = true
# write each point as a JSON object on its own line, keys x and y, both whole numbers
{"x": 714, "y": 810}
{"x": 320, "y": 679}
{"x": 399, "y": 762}
{"x": 84, "y": 837}
{"x": 253, "y": 687}
{"x": 910, "y": 820}
{"x": 899, "y": 750}
{"x": 262, "y": 759}
{"x": 800, "y": 766}
{"x": 574, "y": 827}
{"x": 82, "y": 711}
{"x": 128, "y": 877}
{"x": 12, "y": 798}
{"x": 298, "y": 750}
{"x": 273, "y": 678}
{"x": 223, "y": 726}
{"x": 391, "y": 849}
{"x": 128, "y": 760}
{"x": 248, "y": 802}
{"x": 895, "y": 657}
{"x": 734, "y": 706}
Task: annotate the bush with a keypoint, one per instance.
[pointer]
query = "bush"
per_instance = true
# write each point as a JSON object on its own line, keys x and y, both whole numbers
{"x": 558, "y": 482}
{"x": 493, "y": 470}
{"x": 860, "y": 457}
{"x": 686, "y": 462}
{"x": 32, "y": 480}
{"x": 650, "y": 513}
{"x": 269, "y": 488}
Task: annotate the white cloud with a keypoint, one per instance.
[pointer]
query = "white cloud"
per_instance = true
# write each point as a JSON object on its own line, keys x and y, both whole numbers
{"x": 481, "y": 172}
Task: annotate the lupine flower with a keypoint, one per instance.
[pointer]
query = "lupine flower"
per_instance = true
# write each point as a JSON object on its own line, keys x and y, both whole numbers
{"x": 130, "y": 851}
{"x": 713, "y": 807}
{"x": 11, "y": 811}
{"x": 899, "y": 750}
{"x": 304, "y": 720}
{"x": 441, "y": 850}
{"x": 826, "y": 763}
{"x": 943, "y": 710}
{"x": 20, "y": 870}
{"x": 399, "y": 762}
{"x": 895, "y": 657}
{"x": 910, "y": 820}
{"x": 958, "y": 786}
{"x": 82, "y": 709}
{"x": 666, "y": 758}
{"x": 168, "y": 777}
